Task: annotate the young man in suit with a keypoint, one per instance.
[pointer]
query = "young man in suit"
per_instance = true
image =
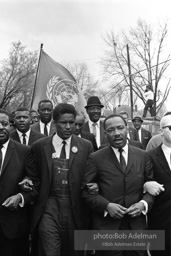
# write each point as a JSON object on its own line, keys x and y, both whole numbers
{"x": 78, "y": 129}
{"x": 14, "y": 214}
{"x": 23, "y": 133}
{"x": 60, "y": 160}
{"x": 94, "y": 125}
{"x": 120, "y": 171}
{"x": 45, "y": 124}
{"x": 160, "y": 216}
{"x": 143, "y": 134}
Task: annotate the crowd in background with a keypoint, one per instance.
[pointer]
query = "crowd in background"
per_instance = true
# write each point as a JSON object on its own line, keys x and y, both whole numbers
{"x": 60, "y": 173}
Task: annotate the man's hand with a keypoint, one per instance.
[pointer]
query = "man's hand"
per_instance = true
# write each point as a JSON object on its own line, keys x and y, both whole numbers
{"x": 154, "y": 188}
{"x": 26, "y": 184}
{"x": 135, "y": 209}
{"x": 116, "y": 211}
{"x": 93, "y": 188}
{"x": 12, "y": 202}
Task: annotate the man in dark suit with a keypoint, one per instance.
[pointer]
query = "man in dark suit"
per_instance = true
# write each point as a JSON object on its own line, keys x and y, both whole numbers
{"x": 23, "y": 134}
{"x": 14, "y": 217}
{"x": 160, "y": 216}
{"x": 45, "y": 124}
{"x": 78, "y": 129}
{"x": 120, "y": 171}
{"x": 60, "y": 160}
{"x": 94, "y": 125}
{"x": 143, "y": 134}
{"x": 132, "y": 132}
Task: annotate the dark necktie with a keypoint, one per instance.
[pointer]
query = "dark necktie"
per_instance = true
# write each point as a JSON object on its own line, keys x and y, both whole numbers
{"x": 24, "y": 138}
{"x": 122, "y": 159}
{"x": 1, "y": 146}
{"x": 63, "y": 152}
{"x": 45, "y": 130}
{"x": 94, "y": 129}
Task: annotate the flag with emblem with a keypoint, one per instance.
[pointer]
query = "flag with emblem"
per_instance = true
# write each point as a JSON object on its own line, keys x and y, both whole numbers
{"x": 56, "y": 83}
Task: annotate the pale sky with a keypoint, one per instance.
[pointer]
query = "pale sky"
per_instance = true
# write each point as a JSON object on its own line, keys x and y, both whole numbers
{"x": 72, "y": 30}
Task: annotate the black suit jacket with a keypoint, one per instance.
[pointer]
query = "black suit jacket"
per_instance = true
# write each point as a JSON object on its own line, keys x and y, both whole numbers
{"x": 145, "y": 137}
{"x": 116, "y": 186}
{"x": 103, "y": 138}
{"x": 41, "y": 163}
{"x": 34, "y": 136}
{"x": 36, "y": 127}
{"x": 159, "y": 218}
{"x": 90, "y": 137}
{"x": 133, "y": 133}
{"x": 14, "y": 223}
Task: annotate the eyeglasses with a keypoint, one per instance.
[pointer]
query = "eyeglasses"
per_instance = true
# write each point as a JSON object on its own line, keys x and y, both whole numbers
{"x": 167, "y": 127}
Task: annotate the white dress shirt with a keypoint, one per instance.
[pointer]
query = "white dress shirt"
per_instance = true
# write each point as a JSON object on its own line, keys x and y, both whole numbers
{"x": 139, "y": 134}
{"x": 57, "y": 143}
{"x": 4, "y": 150}
{"x": 21, "y": 136}
{"x": 90, "y": 123}
{"x": 42, "y": 126}
{"x": 167, "y": 153}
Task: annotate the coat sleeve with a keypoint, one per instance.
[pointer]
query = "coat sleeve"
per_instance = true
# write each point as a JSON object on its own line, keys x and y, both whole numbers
{"x": 95, "y": 202}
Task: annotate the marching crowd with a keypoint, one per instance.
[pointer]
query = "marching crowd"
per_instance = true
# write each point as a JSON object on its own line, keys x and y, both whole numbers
{"x": 59, "y": 173}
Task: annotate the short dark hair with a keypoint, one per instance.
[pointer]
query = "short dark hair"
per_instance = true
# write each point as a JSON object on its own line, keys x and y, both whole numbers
{"x": 63, "y": 108}
{"x": 112, "y": 116}
{"x": 44, "y": 101}
{"x": 21, "y": 109}
{"x": 2, "y": 111}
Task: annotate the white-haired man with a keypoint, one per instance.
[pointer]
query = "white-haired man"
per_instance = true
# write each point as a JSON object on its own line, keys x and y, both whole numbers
{"x": 160, "y": 216}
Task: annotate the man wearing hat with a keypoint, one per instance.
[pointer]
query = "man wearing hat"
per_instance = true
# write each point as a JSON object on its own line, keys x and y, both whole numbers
{"x": 143, "y": 134}
{"x": 94, "y": 125}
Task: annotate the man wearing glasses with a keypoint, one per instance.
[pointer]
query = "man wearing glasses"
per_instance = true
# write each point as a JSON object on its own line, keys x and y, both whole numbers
{"x": 160, "y": 215}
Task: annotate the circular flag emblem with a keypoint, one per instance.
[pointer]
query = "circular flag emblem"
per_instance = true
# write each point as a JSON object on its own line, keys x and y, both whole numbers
{"x": 62, "y": 91}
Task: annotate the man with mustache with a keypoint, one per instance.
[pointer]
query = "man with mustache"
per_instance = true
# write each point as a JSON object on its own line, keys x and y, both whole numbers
{"x": 120, "y": 170}
{"x": 14, "y": 214}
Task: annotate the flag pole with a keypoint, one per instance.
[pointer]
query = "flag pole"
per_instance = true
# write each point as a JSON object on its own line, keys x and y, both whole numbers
{"x": 41, "y": 48}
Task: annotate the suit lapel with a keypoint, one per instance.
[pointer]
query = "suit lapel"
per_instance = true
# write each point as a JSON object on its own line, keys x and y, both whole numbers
{"x": 72, "y": 154}
{"x": 8, "y": 155}
{"x": 160, "y": 157}
{"x": 101, "y": 132}
{"x": 115, "y": 161}
{"x": 31, "y": 138}
{"x": 131, "y": 158}
{"x": 48, "y": 149}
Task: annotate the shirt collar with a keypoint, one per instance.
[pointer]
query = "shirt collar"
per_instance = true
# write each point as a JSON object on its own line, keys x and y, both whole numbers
{"x": 125, "y": 149}
{"x": 5, "y": 145}
{"x": 43, "y": 124}
{"x": 26, "y": 133}
{"x": 58, "y": 140}
{"x": 91, "y": 123}
{"x": 166, "y": 149}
